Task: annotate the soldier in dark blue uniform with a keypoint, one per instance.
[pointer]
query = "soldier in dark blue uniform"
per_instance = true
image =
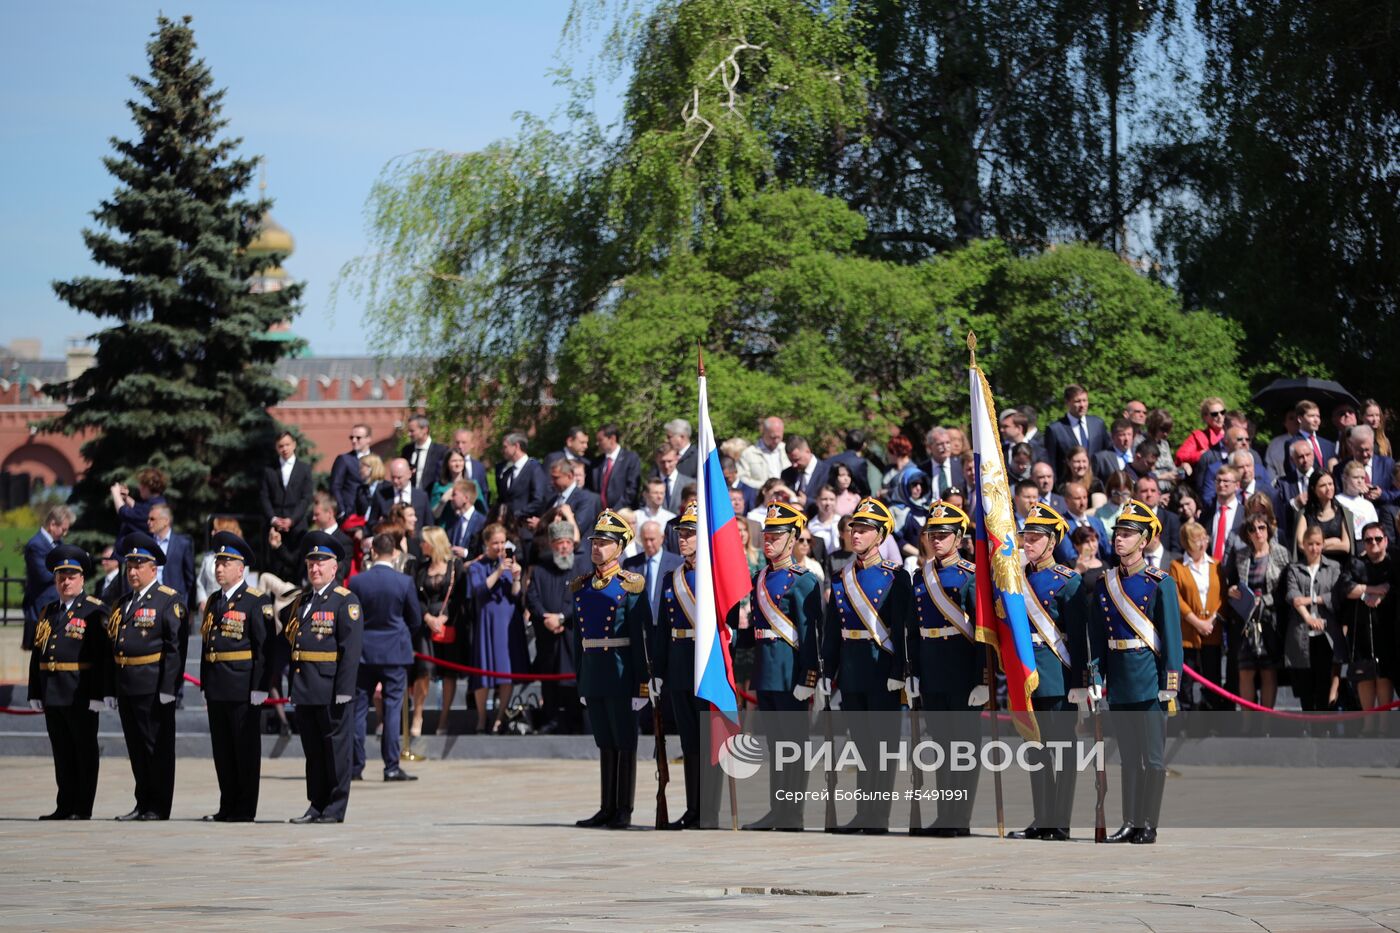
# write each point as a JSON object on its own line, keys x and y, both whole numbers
{"x": 863, "y": 649}
{"x": 611, "y": 620}
{"x": 948, "y": 666}
{"x": 68, "y": 671}
{"x": 1135, "y": 638}
{"x": 324, "y": 626}
{"x": 236, "y": 630}
{"x": 1057, "y": 619}
{"x": 787, "y": 611}
{"x": 144, "y": 632}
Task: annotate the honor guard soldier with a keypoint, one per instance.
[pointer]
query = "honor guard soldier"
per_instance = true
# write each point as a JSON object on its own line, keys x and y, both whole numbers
{"x": 1058, "y": 634}
{"x": 144, "y": 630}
{"x": 235, "y": 632}
{"x": 323, "y": 626}
{"x": 673, "y": 662}
{"x": 787, "y": 604}
{"x": 611, "y": 620}
{"x": 68, "y": 671}
{"x": 1135, "y": 639}
{"x": 863, "y": 648}
{"x": 948, "y": 666}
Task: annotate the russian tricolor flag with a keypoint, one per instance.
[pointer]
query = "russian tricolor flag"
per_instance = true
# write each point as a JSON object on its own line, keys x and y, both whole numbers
{"x": 1002, "y": 621}
{"x": 721, "y": 572}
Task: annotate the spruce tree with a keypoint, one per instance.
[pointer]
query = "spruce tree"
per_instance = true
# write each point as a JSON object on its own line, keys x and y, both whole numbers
{"x": 184, "y": 375}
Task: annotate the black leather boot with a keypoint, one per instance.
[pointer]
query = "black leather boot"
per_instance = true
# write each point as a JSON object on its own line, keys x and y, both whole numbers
{"x": 607, "y": 807}
{"x": 626, "y": 790}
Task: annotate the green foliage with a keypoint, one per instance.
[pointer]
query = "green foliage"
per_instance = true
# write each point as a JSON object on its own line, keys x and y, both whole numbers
{"x": 183, "y": 378}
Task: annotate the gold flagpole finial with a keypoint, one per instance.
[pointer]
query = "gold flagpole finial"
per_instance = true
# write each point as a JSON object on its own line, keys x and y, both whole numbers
{"x": 700, "y": 355}
{"x": 972, "y": 346}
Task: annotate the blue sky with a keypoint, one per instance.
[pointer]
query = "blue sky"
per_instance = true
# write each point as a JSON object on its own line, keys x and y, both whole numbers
{"x": 326, "y": 92}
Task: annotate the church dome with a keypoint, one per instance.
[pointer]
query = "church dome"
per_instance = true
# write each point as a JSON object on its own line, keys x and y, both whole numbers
{"x": 271, "y": 237}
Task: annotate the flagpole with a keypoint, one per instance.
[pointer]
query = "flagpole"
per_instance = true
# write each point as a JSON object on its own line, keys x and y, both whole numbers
{"x": 991, "y": 674}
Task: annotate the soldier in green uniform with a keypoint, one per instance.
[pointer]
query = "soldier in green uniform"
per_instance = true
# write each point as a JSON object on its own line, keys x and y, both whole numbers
{"x": 236, "y": 630}
{"x": 948, "y": 666}
{"x": 863, "y": 650}
{"x": 611, "y": 620}
{"x": 787, "y": 603}
{"x": 1057, "y": 616}
{"x": 68, "y": 673}
{"x": 144, "y": 632}
{"x": 1135, "y": 639}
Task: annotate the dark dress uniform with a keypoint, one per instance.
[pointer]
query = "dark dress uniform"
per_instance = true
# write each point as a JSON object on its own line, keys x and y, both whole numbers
{"x": 144, "y": 630}
{"x": 324, "y": 629}
{"x": 786, "y": 616}
{"x": 611, "y": 618}
{"x": 673, "y": 660}
{"x": 949, "y": 663}
{"x": 864, "y": 665}
{"x": 1058, "y": 591}
{"x": 68, "y": 673}
{"x": 1135, "y": 671}
{"x": 236, "y": 631}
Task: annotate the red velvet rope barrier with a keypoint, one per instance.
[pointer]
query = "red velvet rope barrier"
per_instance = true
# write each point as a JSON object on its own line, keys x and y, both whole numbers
{"x": 270, "y": 701}
{"x": 1285, "y": 714}
{"x": 20, "y": 711}
{"x": 499, "y": 675}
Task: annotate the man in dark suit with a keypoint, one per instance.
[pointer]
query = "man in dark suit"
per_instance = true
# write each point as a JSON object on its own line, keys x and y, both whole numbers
{"x": 584, "y": 505}
{"x": 400, "y": 488}
{"x": 1043, "y": 475}
{"x": 575, "y": 449}
{"x": 178, "y": 569}
{"x": 1380, "y": 481}
{"x": 678, "y": 434}
{"x": 941, "y": 467}
{"x": 520, "y": 480}
{"x": 1119, "y": 455}
{"x": 463, "y": 521}
{"x": 345, "y": 472}
{"x": 853, "y": 459}
{"x": 111, "y": 585}
{"x": 38, "y": 579}
{"x": 1014, "y": 425}
{"x": 1309, "y": 420}
{"x": 617, "y": 473}
{"x": 653, "y": 563}
{"x": 1076, "y": 428}
{"x": 807, "y": 475}
{"x": 423, "y": 455}
{"x": 1291, "y": 488}
{"x": 392, "y": 618}
{"x": 286, "y": 490}
{"x": 730, "y": 469}
{"x": 667, "y": 471}
{"x": 1224, "y": 519}
{"x": 475, "y": 468}
{"x": 323, "y": 519}
{"x": 1150, "y": 494}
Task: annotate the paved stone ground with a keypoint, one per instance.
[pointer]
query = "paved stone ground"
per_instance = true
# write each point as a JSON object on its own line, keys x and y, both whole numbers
{"x": 490, "y": 845}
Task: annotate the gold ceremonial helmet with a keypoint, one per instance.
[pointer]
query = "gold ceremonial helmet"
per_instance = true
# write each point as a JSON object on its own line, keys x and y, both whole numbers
{"x": 1045, "y": 519}
{"x": 944, "y": 516}
{"x": 612, "y": 526}
{"x": 1139, "y": 517}
{"x": 872, "y": 511}
{"x": 690, "y": 517}
{"x": 783, "y": 516}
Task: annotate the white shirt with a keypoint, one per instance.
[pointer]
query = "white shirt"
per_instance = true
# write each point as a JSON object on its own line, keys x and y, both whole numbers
{"x": 1363, "y": 512}
{"x": 420, "y": 460}
{"x": 228, "y": 593}
{"x": 1200, "y": 574}
{"x": 828, "y": 532}
{"x": 775, "y": 458}
{"x": 287, "y": 469}
{"x": 563, "y": 497}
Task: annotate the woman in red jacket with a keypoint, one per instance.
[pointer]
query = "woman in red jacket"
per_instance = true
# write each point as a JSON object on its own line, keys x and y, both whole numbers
{"x": 1204, "y": 438}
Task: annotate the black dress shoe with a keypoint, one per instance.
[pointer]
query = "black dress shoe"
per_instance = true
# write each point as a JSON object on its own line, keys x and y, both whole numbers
{"x": 329, "y": 819}
{"x": 942, "y": 832}
{"x": 399, "y": 774}
{"x": 357, "y": 777}
{"x": 57, "y": 815}
{"x": 621, "y": 820}
{"x": 875, "y": 831}
{"x": 126, "y": 817}
{"x": 310, "y": 816}
{"x": 151, "y": 817}
{"x": 921, "y": 830}
{"x": 687, "y": 821}
{"x": 1145, "y": 836}
{"x": 1055, "y": 835}
{"x": 601, "y": 818}
{"x": 214, "y": 818}
{"x": 764, "y": 823}
{"x": 1125, "y": 833}
{"x": 846, "y": 829}
{"x": 1030, "y": 832}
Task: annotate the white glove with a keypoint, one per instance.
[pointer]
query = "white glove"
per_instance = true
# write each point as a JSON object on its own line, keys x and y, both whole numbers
{"x": 654, "y": 687}
{"x": 803, "y": 693}
{"x": 1096, "y": 692}
{"x": 167, "y": 698}
{"x": 583, "y": 700}
{"x": 257, "y": 697}
{"x": 894, "y": 686}
{"x": 1078, "y": 695}
{"x": 824, "y": 686}
{"x": 342, "y": 698}
{"x": 36, "y": 705}
{"x": 638, "y": 703}
{"x": 979, "y": 696}
{"x": 1165, "y": 696}
{"x": 111, "y": 702}
{"x": 911, "y": 687}
{"x": 96, "y": 706}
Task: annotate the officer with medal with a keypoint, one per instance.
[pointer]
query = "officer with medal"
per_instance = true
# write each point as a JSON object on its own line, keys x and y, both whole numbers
{"x": 673, "y": 662}
{"x": 787, "y": 610}
{"x": 1135, "y": 638}
{"x": 144, "y": 630}
{"x": 1057, "y": 616}
{"x": 68, "y": 671}
{"x": 324, "y": 626}
{"x": 235, "y": 632}
{"x": 863, "y": 649}
{"x": 611, "y": 619}
{"x": 948, "y": 667}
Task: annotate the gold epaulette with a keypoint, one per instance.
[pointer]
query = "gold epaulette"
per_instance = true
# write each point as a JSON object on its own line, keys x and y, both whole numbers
{"x": 168, "y": 591}
{"x": 578, "y": 583}
{"x": 632, "y": 582}
{"x": 342, "y": 591}
{"x": 94, "y": 601}
{"x": 967, "y": 565}
{"x": 891, "y": 564}
{"x": 1156, "y": 574}
{"x": 1062, "y": 570}
{"x": 253, "y": 591}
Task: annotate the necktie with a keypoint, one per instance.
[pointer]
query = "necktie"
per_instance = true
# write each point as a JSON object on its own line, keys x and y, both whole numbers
{"x": 1218, "y": 551}
{"x": 509, "y": 476}
{"x": 1317, "y": 451}
{"x": 607, "y": 475}
{"x": 651, "y": 585}
{"x": 669, "y": 480}
{"x": 459, "y": 531}
{"x": 1083, "y": 434}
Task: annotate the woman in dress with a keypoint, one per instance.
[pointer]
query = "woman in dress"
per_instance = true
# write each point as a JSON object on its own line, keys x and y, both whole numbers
{"x": 843, "y": 481}
{"x": 1368, "y": 618}
{"x": 1200, "y": 591}
{"x": 371, "y": 475}
{"x": 1256, "y": 643}
{"x": 1313, "y": 641}
{"x": 441, "y": 590}
{"x": 454, "y": 467}
{"x": 1079, "y": 471}
{"x": 494, "y": 584}
{"x": 1323, "y": 511}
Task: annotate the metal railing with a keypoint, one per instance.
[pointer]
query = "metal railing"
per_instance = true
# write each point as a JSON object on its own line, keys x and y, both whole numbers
{"x": 11, "y": 610}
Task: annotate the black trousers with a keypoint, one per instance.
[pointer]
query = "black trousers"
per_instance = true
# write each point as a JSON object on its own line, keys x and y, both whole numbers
{"x": 1313, "y": 684}
{"x": 1205, "y": 660}
{"x": 327, "y": 740}
{"x": 73, "y": 738}
{"x": 1052, "y": 789}
{"x": 237, "y": 741}
{"x": 1141, "y": 730}
{"x": 149, "y": 728}
{"x": 875, "y": 726}
{"x": 948, "y": 719}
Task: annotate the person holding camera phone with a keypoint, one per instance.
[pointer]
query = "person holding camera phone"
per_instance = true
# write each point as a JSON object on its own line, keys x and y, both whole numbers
{"x": 494, "y": 583}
